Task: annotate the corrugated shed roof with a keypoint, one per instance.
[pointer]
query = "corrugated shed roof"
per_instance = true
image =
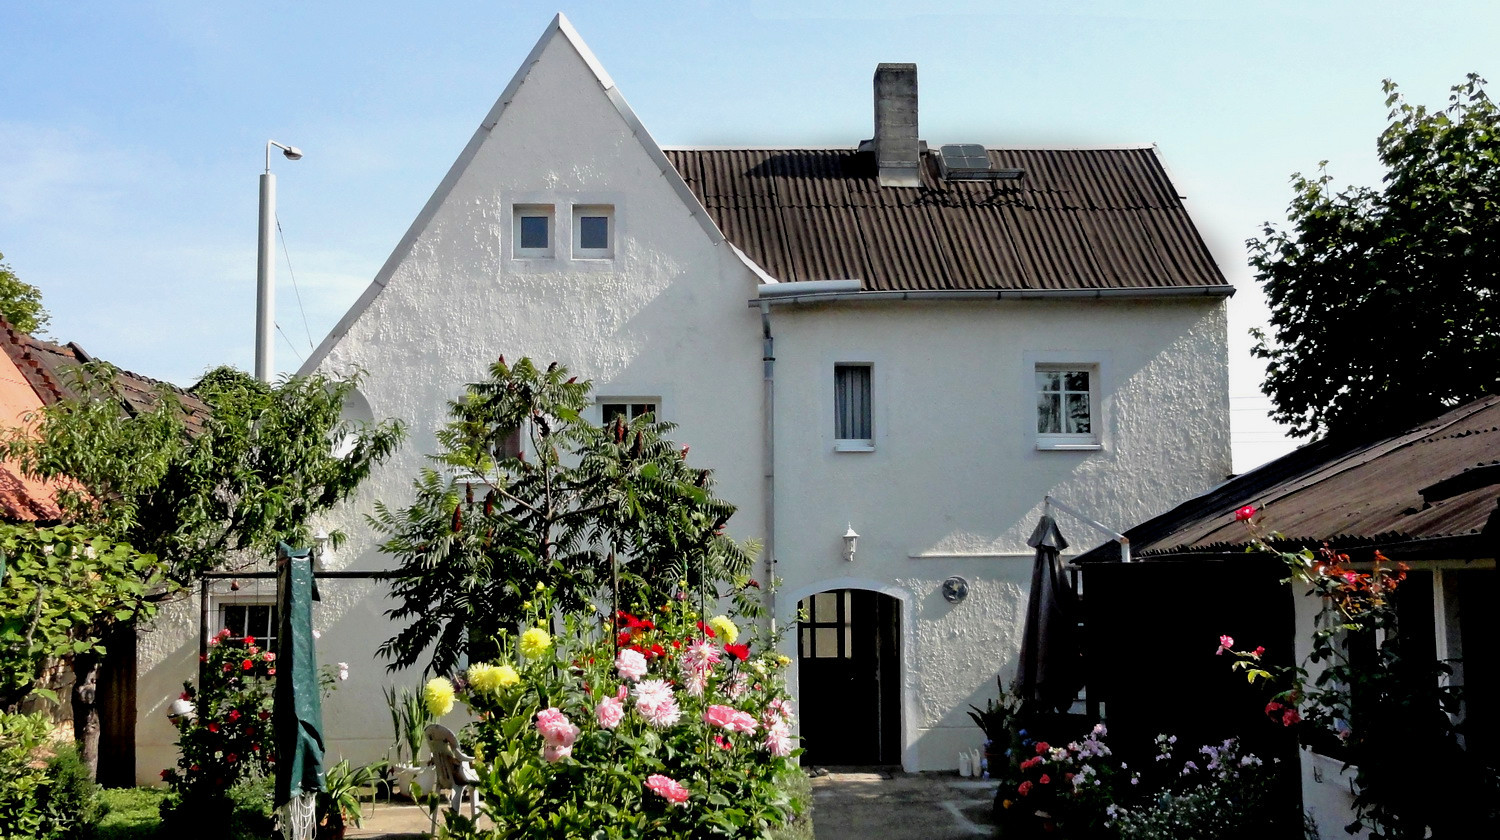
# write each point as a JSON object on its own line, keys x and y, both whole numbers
{"x": 1077, "y": 219}
{"x": 1437, "y": 482}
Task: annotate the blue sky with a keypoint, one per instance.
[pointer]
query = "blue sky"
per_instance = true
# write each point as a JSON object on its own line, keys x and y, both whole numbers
{"x": 133, "y": 132}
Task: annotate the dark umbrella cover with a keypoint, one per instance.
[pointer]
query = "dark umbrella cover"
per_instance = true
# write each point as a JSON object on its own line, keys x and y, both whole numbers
{"x": 1049, "y": 671}
{"x": 298, "y": 711}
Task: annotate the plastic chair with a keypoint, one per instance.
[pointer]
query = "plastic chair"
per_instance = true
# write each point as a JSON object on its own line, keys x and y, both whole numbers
{"x": 453, "y": 771}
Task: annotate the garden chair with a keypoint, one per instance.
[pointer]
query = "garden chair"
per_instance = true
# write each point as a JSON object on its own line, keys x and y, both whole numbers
{"x": 453, "y": 771}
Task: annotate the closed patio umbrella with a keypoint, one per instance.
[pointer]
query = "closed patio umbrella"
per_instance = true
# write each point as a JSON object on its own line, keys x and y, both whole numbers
{"x": 298, "y": 711}
{"x": 1050, "y": 671}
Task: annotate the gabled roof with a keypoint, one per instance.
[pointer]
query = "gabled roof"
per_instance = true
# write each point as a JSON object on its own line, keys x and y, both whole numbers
{"x": 1077, "y": 219}
{"x": 1432, "y": 490}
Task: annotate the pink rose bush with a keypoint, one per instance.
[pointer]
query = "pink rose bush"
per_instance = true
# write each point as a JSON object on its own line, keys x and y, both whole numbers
{"x": 640, "y": 727}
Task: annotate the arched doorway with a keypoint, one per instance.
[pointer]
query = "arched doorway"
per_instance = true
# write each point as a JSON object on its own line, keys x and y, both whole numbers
{"x": 848, "y": 673}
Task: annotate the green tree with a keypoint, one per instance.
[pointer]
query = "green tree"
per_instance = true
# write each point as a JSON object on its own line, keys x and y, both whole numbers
{"x": 574, "y": 508}
{"x": 264, "y": 460}
{"x": 21, "y": 302}
{"x": 65, "y": 588}
{"x": 1385, "y": 303}
{"x": 244, "y": 472}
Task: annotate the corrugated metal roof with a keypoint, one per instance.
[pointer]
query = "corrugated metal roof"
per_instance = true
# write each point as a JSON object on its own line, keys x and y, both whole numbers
{"x": 1437, "y": 482}
{"x": 1078, "y": 219}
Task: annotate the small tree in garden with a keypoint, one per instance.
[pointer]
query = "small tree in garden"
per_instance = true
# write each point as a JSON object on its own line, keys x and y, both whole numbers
{"x": 530, "y": 492}
{"x": 64, "y": 589}
{"x": 263, "y": 462}
{"x": 1377, "y": 705}
{"x": 627, "y": 726}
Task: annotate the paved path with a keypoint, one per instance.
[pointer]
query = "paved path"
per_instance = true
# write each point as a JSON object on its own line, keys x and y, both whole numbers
{"x": 859, "y": 804}
{"x": 848, "y": 804}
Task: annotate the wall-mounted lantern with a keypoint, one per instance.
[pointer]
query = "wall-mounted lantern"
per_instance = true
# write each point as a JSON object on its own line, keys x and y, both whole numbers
{"x": 322, "y": 549}
{"x": 851, "y": 542}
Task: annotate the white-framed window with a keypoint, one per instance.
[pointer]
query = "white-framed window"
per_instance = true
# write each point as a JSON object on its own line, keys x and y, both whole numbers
{"x": 1067, "y": 405}
{"x": 535, "y": 230}
{"x": 853, "y": 414}
{"x": 250, "y": 618}
{"x": 627, "y": 407}
{"x": 593, "y": 231}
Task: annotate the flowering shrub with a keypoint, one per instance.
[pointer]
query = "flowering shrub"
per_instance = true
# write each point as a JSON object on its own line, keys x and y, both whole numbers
{"x": 1068, "y": 787}
{"x": 1380, "y": 707}
{"x": 628, "y": 727}
{"x": 1221, "y": 792}
{"x": 228, "y": 738}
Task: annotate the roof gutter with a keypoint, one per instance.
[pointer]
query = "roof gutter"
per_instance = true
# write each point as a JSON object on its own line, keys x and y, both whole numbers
{"x": 829, "y": 291}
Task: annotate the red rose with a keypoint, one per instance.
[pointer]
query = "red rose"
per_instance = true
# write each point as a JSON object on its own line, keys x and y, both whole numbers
{"x": 213, "y": 727}
{"x": 249, "y": 640}
{"x": 165, "y": 774}
{"x": 1041, "y": 747}
{"x": 1045, "y": 779}
{"x": 234, "y": 715}
{"x": 270, "y": 672}
{"x": 1024, "y": 788}
{"x": 1244, "y": 513}
{"x": 231, "y": 758}
{"x": 226, "y": 667}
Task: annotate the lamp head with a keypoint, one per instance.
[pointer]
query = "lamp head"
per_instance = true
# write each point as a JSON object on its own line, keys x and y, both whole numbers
{"x": 292, "y": 153}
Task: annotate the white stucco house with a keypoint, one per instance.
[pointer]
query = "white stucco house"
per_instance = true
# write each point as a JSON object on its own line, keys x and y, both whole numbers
{"x": 912, "y": 342}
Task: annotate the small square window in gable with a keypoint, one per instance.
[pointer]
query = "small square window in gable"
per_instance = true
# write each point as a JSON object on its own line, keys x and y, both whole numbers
{"x": 533, "y": 230}
{"x": 593, "y": 231}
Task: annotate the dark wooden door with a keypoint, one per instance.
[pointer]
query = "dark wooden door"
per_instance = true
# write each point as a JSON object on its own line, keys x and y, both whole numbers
{"x": 848, "y": 678}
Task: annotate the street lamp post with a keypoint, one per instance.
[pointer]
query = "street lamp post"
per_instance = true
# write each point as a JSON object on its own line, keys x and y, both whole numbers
{"x": 265, "y": 265}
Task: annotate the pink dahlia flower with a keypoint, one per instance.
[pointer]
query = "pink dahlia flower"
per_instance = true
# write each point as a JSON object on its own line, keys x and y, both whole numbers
{"x": 631, "y": 664}
{"x": 556, "y": 729}
{"x": 609, "y": 712}
{"x": 667, "y": 788}
{"x": 778, "y": 740}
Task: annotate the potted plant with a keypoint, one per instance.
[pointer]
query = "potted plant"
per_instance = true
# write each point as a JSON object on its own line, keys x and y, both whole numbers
{"x": 338, "y": 802}
{"x": 409, "y": 719}
{"x": 998, "y": 721}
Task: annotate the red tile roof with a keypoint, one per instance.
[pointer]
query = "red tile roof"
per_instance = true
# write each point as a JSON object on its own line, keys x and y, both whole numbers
{"x": 1077, "y": 219}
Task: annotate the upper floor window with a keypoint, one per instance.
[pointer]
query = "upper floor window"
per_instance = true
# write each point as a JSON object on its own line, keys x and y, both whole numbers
{"x": 1066, "y": 405}
{"x": 593, "y": 231}
{"x": 853, "y": 418}
{"x": 533, "y": 230}
{"x": 628, "y": 408}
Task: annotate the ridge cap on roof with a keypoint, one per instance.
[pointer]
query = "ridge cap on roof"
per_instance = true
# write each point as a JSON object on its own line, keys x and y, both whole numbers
{"x": 771, "y": 147}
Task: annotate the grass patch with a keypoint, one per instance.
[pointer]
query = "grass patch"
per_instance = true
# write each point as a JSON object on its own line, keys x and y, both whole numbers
{"x": 130, "y": 814}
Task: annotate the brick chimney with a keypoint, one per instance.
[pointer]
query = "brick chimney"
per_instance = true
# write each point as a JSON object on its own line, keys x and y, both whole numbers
{"x": 897, "y": 149}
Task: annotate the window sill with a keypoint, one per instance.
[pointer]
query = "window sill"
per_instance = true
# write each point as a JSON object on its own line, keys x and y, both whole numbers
{"x": 854, "y": 446}
{"x": 1048, "y": 446}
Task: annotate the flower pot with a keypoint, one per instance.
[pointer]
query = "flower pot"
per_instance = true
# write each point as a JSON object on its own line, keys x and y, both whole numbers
{"x": 409, "y": 777}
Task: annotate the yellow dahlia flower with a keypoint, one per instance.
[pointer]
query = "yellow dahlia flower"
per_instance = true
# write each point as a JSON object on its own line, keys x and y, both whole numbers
{"x": 488, "y": 679}
{"x": 728, "y": 633}
{"x": 535, "y": 642}
{"x": 438, "y": 694}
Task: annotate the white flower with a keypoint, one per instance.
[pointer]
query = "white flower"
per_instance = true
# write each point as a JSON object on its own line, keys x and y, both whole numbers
{"x": 343, "y": 670}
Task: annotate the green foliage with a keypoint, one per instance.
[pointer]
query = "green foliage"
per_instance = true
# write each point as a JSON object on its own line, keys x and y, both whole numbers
{"x": 338, "y": 802}
{"x": 64, "y": 588}
{"x": 568, "y": 745}
{"x": 130, "y": 814}
{"x": 1383, "y": 301}
{"x": 495, "y": 522}
{"x": 21, "y": 302}
{"x": 22, "y": 776}
{"x": 409, "y": 719}
{"x": 229, "y": 739}
{"x": 70, "y": 803}
{"x": 264, "y": 462}
{"x": 1386, "y": 711}
{"x": 999, "y": 718}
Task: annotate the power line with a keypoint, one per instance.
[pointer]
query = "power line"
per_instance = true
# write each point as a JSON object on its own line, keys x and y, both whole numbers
{"x": 295, "y": 289}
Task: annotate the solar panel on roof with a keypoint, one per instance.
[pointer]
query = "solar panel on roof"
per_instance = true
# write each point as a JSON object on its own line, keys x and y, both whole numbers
{"x": 965, "y": 157}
